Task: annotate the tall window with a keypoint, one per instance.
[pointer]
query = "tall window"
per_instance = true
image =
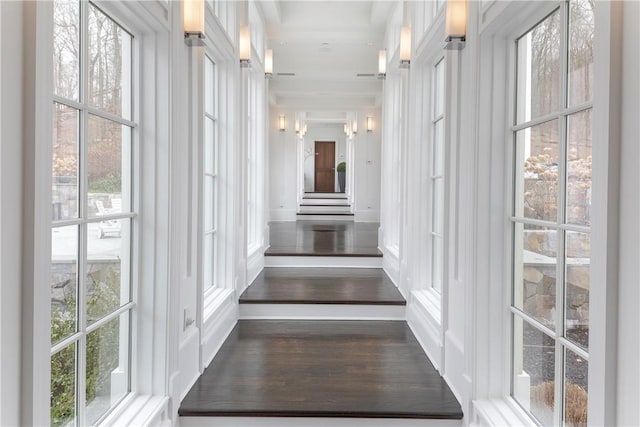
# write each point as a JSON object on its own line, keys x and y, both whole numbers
{"x": 210, "y": 168}
{"x": 551, "y": 215}
{"x": 437, "y": 176}
{"x": 92, "y": 215}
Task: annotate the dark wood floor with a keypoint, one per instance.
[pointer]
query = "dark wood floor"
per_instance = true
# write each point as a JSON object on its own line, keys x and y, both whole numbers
{"x": 323, "y": 238}
{"x": 369, "y": 369}
{"x": 369, "y": 286}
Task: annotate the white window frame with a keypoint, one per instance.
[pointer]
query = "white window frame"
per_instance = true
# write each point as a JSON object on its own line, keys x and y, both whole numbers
{"x": 500, "y": 25}
{"x": 150, "y": 284}
{"x": 561, "y": 115}
{"x": 82, "y": 221}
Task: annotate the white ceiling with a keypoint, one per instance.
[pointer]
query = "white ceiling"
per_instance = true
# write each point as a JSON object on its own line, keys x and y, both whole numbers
{"x": 325, "y": 44}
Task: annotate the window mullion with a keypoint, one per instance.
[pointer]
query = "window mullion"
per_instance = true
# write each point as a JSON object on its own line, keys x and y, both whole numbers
{"x": 560, "y": 251}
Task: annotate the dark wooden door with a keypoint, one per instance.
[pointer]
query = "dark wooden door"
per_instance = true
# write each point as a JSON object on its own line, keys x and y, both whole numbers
{"x": 325, "y": 167}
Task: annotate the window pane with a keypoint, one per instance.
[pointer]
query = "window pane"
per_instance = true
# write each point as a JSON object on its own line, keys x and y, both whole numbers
{"x": 438, "y": 89}
{"x": 537, "y": 157}
{"x": 208, "y": 260}
{"x": 63, "y": 387}
{"x": 539, "y": 70}
{"x": 534, "y": 288}
{"x": 581, "y": 26}
{"x": 438, "y": 148}
{"x": 579, "y": 168}
{"x": 575, "y": 390}
{"x": 436, "y": 263}
{"x": 533, "y": 370}
{"x": 64, "y": 163}
{"x": 209, "y": 145}
{"x": 437, "y": 207}
{"x": 107, "y": 367}
{"x": 208, "y": 86}
{"x": 64, "y": 282}
{"x": 109, "y": 65}
{"x": 208, "y": 203}
{"x": 108, "y": 167}
{"x": 108, "y": 265}
{"x": 66, "y": 48}
{"x": 578, "y": 278}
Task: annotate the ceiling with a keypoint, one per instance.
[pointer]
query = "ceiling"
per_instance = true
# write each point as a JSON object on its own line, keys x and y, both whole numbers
{"x": 325, "y": 45}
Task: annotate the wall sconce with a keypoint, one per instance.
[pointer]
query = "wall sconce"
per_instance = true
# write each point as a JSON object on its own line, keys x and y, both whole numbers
{"x": 245, "y": 47}
{"x": 346, "y": 131}
{"x": 354, "y": 127}
{"x": 282, "y": 122}
{"x": 297, "y": 126}
{"x": 369, "y": 124}
{"x": 193, "y": 22}
{"x": 455, "y": 26}
{"x": 382, "y": 64}
{"x": 268, "y": 63}
{"x": 405, "y": 47}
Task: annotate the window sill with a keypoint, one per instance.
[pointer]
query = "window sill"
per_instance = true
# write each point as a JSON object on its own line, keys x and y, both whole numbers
{"x": 430, "y": 302}
{"x": 139, "y": 410}
{"x": 500, "y": 412}
{"x": 213, "y": 300}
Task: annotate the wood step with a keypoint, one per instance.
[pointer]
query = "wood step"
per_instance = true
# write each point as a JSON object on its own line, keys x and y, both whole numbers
{"x": 319, "y": 369}
{"x": 355, "y": 286}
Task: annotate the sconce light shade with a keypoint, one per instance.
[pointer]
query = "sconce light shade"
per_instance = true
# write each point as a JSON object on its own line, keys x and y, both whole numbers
{"x": 245, "y": 47}
{"x": 354, "y": 127}
{"x": 282, "y": 122}
{"x": 193, "y": 22}
{"x": 456, "y": 24}
{"x": 297, "y": 125}
{"x": 268, "y": 63}
{"x": 369, "y": 124}
{"x": 382, "y": 64}
{"x": 405, "y": 47}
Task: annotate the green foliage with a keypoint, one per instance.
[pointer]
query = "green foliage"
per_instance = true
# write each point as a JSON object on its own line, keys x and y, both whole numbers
{"x": 342, "y": 167}
{"x": 107, "y": 184}
{"x": 102, "y": 351}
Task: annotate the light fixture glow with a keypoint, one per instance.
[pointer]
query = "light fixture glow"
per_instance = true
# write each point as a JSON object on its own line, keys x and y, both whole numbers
{"x": 282, "y": 122}
{"x": 382, "y": 64}
{"x": 456, "y": 24}
{"x": 245, "y": 47}
{"x": 346, "y": 131}
{"x": 193, "y": 22}
{"x": 268, "y": 63}
{"x": 369, "y": 124}
{"x": 297, "y": 126}
{"x": 405, "y": 47}
{"x": 354, "y": 127}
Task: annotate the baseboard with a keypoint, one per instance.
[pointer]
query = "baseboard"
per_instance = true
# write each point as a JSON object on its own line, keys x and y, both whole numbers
{"x": 314, "y": 422}
{"x": 283, "y": 215}
{"x": 367, "y": 215}
{"x": 322, "y": 261}
{"x": 217, "y": 329}
{"x": 322, "y": 312}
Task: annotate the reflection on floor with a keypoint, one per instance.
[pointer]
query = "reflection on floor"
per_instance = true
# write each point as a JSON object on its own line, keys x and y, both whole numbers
{"x": 323, "y": 238}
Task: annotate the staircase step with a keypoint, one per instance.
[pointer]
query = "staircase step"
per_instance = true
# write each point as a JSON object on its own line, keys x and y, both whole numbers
{"x": 324, "y": 196}
{"x": 326, "y": 209}
{"x": 324, "y": 216}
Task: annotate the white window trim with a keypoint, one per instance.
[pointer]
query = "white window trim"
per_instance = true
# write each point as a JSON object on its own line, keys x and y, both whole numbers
{"x": 501, "y": 25}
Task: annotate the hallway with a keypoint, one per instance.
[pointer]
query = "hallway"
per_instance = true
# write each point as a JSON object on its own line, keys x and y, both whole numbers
{"x": 370, "y": 367}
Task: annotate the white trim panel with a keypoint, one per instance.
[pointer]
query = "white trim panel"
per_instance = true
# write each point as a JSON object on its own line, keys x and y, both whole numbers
{"x": 322, "y": 311}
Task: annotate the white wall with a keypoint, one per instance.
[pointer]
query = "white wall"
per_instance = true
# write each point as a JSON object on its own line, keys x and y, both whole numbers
{"x": 283, "y": 173}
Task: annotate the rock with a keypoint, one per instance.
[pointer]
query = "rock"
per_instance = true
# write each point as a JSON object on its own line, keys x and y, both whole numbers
{"x": 532, "y": 275}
